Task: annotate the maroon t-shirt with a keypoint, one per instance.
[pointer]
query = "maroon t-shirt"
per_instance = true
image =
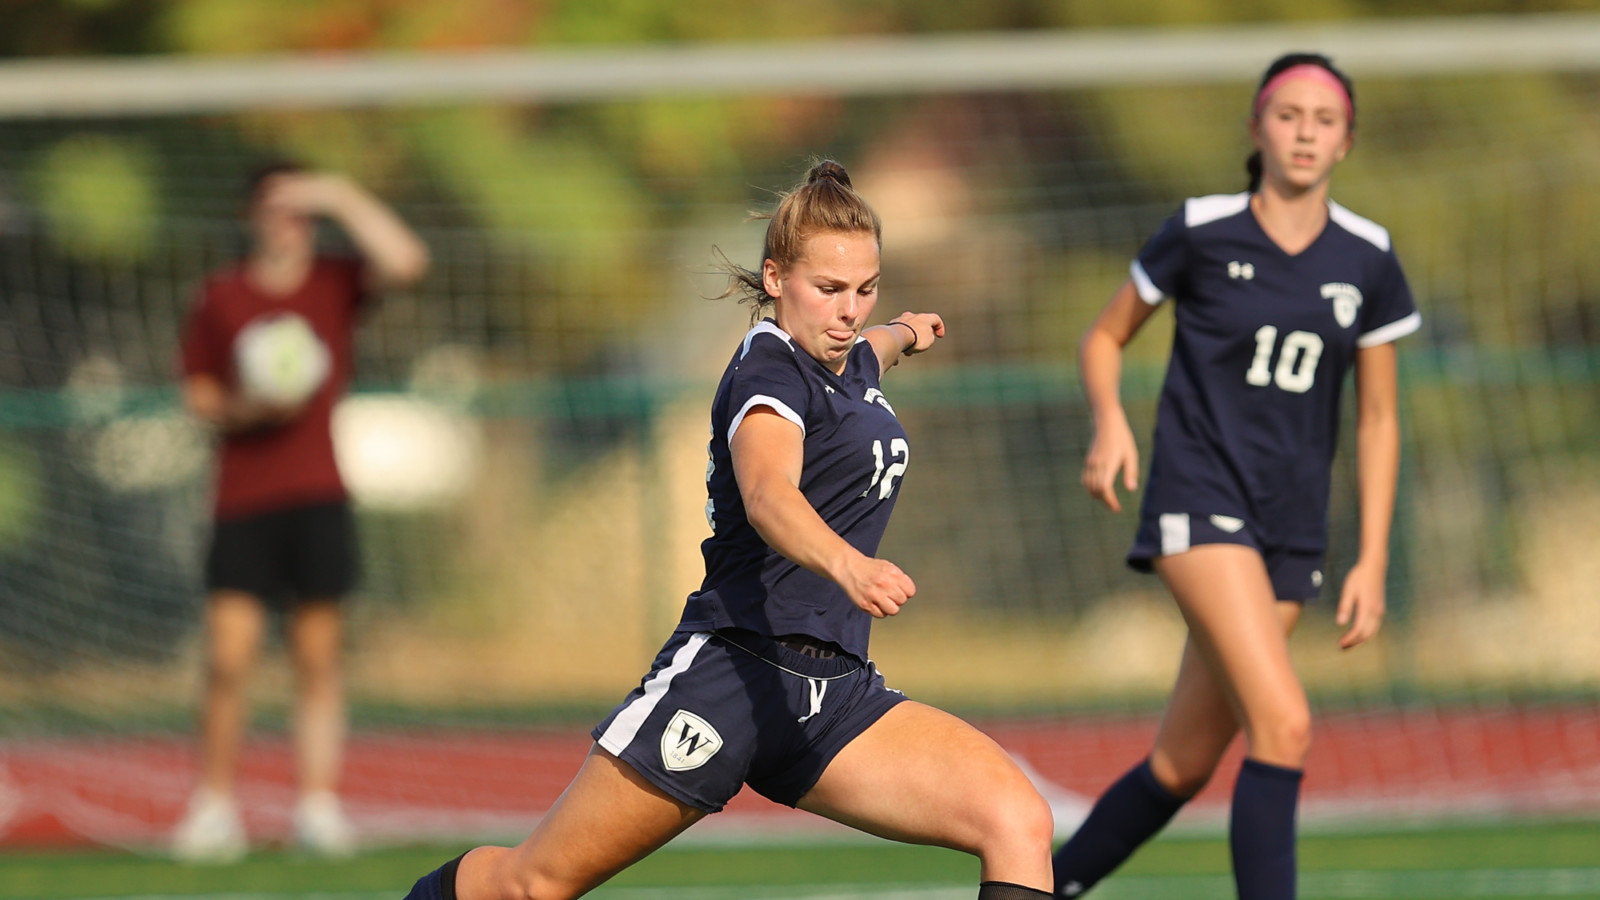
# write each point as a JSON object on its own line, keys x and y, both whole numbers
{"x": 288, "y": 465}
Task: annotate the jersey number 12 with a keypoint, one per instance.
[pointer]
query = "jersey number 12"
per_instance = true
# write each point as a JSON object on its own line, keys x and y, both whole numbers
{"x": 1297, "y": 360}
{"x": 884, "y": 478}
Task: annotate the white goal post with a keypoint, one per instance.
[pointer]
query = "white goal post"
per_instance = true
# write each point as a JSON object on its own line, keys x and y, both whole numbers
{"x": 839, "y": 66}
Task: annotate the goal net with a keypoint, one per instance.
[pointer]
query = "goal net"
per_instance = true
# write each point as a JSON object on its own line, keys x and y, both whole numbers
{"x": 526, "y": 442}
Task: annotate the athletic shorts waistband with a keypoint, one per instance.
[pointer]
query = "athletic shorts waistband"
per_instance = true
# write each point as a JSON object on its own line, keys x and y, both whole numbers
{"x": 802, "y": 654}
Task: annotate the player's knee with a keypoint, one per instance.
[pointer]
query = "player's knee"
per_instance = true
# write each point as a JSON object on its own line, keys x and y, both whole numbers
{"x": 1183, "y": 771}
{"x": 1285, "y": 739}
{"x": 227, "y": 673}
{"x": 317, "y": 671}
{"x": 1186, "y": 783}
{"x": 1036, "y": 822}
{"x": 1019, "y": 819}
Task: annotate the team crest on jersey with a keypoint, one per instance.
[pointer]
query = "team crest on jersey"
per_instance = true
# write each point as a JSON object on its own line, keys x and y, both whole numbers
{"x": 689, "y": 742}
{"x": 1346, "y": 301}
{"x": 874, "y": 395}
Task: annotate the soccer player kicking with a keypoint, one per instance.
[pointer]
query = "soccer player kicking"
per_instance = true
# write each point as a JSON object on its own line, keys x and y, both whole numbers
{"x": 766, "y": 680}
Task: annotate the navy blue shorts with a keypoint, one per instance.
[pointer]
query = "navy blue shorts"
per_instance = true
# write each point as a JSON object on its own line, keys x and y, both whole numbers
{"x": 288, "y": 555}
{"x": 718, "y": 711}
{"x": 1296, "y": 574}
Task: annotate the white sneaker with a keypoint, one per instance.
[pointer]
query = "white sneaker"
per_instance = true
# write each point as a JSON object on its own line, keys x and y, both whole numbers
{"x": 211, "y": 831}
{"x": 321, "y": 827}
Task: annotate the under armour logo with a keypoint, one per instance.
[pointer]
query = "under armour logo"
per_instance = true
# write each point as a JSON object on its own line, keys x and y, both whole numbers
{"x": 1070, "y": 889}
{"x": 1243, "y": 270}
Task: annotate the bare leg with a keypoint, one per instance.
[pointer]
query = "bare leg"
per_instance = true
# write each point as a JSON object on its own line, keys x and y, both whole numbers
{"x": 923, "y": 776}
{"x": 316, "y": 640}
{"x": 1227, "y": 599}
{"x": 1196, "y": 730}
{"x": 608, "y": 818}
{"x": 1238, "y": 633}
{"x": 1199, "y": 722}
{"x": 234, "y": 623}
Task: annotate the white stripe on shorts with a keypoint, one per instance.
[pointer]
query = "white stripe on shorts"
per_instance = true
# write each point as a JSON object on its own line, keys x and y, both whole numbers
{"x": 626, "y": 725}
{"x": 1174, "y": 533}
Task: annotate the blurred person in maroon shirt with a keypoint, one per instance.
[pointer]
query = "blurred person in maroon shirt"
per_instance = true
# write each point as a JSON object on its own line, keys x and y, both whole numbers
{"x": 284, "y": 536}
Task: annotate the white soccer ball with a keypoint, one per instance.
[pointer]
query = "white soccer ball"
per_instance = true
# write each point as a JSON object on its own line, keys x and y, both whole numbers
{"x": 280, "y": 359}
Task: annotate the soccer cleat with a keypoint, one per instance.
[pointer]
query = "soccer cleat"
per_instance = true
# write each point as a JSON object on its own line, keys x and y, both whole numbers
{"x": 211, "y": 831}
{"x": 320, "y": 826}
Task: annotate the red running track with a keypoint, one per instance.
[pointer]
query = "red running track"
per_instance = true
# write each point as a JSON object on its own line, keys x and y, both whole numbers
{"x": 435, "y": 786}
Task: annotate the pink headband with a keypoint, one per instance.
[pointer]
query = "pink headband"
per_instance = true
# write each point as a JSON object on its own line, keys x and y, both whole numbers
{"x": 1305, "y": 70}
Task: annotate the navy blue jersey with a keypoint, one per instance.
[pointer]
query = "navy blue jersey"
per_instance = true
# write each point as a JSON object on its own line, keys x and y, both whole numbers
{"x": 855, "y": 454}
{"x": 1249, "y": 414}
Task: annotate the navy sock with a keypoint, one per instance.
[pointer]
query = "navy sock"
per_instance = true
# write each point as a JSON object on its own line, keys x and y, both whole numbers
{"x": 1005, "y": 890}
{"x": 1129, "y": 813}
{"x": 440, "y": 884}
{"x": 1262, "y": 831}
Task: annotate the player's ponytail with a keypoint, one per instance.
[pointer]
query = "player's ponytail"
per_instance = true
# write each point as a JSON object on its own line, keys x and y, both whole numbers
{"x": 822, "y": 204}
{"x": 1284, "y": 63}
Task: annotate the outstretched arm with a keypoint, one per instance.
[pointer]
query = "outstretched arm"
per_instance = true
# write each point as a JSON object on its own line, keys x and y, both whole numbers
{"x": 1113, "y": 449}
{"x": 394, "y": 254}
{"x": 1362, "y": 601}
{"x": 906, "y": 334}
{"x": 767, "y": 454}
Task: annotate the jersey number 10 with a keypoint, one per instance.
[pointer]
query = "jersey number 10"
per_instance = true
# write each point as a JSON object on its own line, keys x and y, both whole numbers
{"x": 1297, "y": 360}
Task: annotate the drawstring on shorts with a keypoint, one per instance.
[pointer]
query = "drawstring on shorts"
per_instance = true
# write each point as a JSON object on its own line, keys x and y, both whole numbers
{"x": 818, "y": 687}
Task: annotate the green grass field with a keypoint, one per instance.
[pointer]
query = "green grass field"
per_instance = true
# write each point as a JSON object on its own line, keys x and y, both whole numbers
{"x": 1501, "y": 862}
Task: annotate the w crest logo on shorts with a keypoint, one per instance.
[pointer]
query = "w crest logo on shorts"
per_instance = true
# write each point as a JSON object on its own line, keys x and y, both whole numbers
{"x": 689, "y": 742}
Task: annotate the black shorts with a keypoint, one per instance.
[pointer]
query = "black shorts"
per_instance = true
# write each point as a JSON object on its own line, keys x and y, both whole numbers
{"x": 1296, "y": 573}
{"x": 720, "y": 711}
{"x": 301, "y": 553}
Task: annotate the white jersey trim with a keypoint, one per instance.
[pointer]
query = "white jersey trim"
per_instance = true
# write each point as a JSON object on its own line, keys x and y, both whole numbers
{"x": 778, "y": 406}
{"x": 625, "y": 727}
{"x": 1199, "y": 211}
{"x": 1148, "y": 292}
{"x": 764, "y": 328}
{"x": 1364, "y": 228}
{"x": 1391, "y": 332}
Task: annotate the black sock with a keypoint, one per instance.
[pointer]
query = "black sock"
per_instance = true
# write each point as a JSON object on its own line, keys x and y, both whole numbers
{"x": 1262, "y": 831}
{"x": 440, "y": 884}
{"x": 1129, "y": 813}
{"x": 1005, "y": 890}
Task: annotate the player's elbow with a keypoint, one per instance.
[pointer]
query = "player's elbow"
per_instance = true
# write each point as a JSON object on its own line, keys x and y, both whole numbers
{"x": 1096, "y": 346}
{"x": 1378, "y": 418}
{"x": 408, "y": 266}
{"x": 418, "y": 263}
{"x": 760, "y": 510}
